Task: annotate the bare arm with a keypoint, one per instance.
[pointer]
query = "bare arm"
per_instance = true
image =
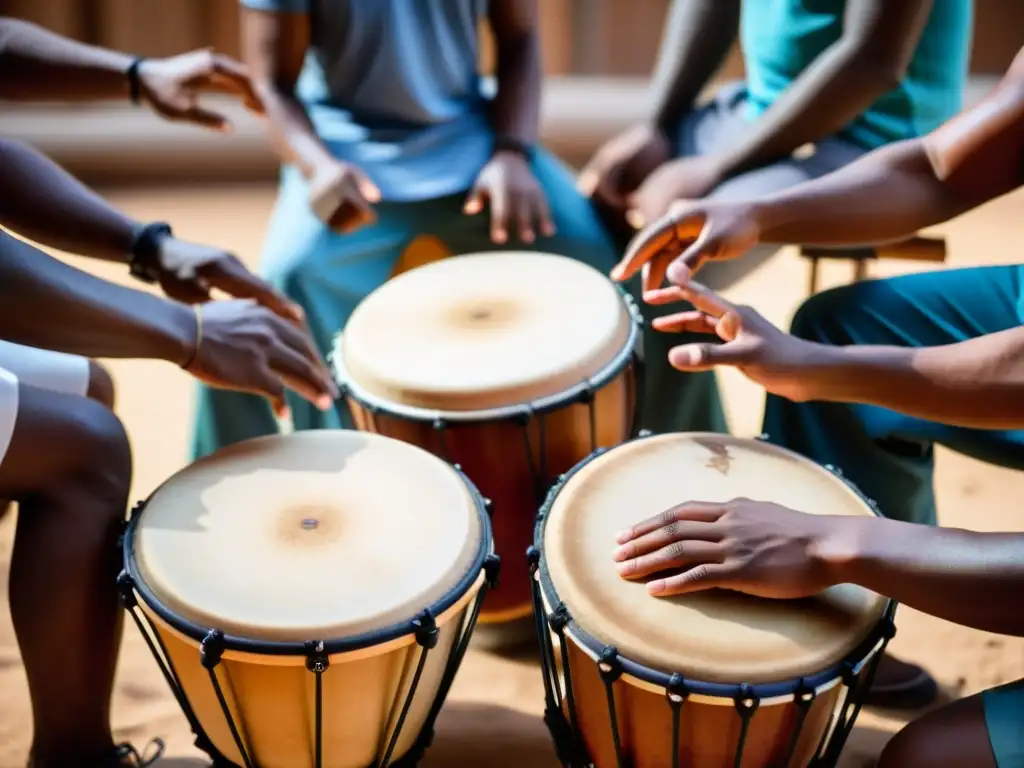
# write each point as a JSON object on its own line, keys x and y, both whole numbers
{"x": 274, "y": 48}
{"x": 895, "y": 191}
{"x": 977, "y": 383}
{"x": 51, "y": 305}
{"x": 698, "y": 35}
{"x": 515, "y": 111}
{"x": 41, "y": 201}
{"x": 38, "y": 64}
{"x": 878, "y": 43}
{"x": 974, "y": 579}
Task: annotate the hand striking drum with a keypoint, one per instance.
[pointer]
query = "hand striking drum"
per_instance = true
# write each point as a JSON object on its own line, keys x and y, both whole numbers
{"x": 704, "y": 681}
{"x": 512, "y": 365}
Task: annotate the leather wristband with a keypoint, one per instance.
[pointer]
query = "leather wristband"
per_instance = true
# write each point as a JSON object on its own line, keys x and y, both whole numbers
{"x": 506, "y": 143}
{"x": 144, "y": 255}
{"x": 134, "y": 86}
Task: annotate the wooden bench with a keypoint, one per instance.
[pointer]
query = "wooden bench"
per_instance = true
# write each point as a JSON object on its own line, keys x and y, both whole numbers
{"x": 929, "y": 249}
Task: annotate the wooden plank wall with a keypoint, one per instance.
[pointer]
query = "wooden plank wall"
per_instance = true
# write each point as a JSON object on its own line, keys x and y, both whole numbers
{"x": 582, "y": 37}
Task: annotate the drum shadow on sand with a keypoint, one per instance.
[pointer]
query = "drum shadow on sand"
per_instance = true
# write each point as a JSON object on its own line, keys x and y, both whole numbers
{"x": 470, "y": 735}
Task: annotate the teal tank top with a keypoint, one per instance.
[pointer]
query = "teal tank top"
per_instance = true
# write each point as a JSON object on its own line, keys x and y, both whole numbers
{"x": 781, "y": 38}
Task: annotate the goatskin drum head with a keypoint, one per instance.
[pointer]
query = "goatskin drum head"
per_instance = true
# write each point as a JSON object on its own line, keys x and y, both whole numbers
{"x": 315, "y": 535}
{"x": 716, "y": 636}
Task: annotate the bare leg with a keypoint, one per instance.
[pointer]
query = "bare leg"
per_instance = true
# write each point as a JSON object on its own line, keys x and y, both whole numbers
{"x": 69, "y": 468}
{"x": 954, "y": 736}
{"x": 101, "y": 385}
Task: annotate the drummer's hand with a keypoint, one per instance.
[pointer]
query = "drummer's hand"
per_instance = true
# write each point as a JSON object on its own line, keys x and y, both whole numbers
{"x": 783, "y": 364}
{"x": 680, "y": 242}
{"x": 341, "y": 195}
{"x": 171, "y": 86}
{"x": 515, "y": 196}
{"x": 748, "y": 546}
{"x": 685, "y": 178}
{"x": 188, "y": 271}
{"x": 622, "y": 163}
{"x": 248, "y": 348}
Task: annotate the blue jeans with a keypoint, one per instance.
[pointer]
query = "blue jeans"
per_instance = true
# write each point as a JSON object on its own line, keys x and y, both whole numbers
{"x": 889, "y": 455}
{"x": 329, "y": 274}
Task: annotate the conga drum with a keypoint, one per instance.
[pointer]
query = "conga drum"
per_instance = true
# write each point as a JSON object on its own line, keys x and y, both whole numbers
{"x": 709, "y": 680}
{"x": 514, "y": 366}
{"x": 307, "y": 610}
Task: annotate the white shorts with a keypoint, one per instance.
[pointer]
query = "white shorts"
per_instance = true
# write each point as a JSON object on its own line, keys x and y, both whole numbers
{"x": 40, "y": 368}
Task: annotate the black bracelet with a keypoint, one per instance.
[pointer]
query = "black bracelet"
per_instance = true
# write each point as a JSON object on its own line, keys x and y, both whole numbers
{"x": 506, "y": 143}
{"x": 134, "y": 86}
{"x": 144, "y": 254}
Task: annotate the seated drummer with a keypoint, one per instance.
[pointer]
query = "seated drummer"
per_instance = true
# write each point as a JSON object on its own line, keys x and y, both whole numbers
{"x": 386, "y": 134}
{"x": 846, "y": 76}
{"x": 64, "y": 456}
{"x": 872, "y": 377}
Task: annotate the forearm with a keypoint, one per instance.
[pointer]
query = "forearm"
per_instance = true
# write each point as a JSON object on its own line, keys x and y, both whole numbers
{"x": 515, "y": 110}
{"x": 36, "y": 64}
{"x": 51, "y": 305}
{"x": 977, "y": 383}
{"x": 41, "y": 201}
{"x": 886, "y": 195}
{"x": 291, "y": 131}
{"x": 973, "y": 579}
{"x": 840, "y": 85}
{"x": 698, "y": 35}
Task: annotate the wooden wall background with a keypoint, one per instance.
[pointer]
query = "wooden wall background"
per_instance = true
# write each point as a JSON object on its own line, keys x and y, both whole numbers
{"x": 581, "y": 37}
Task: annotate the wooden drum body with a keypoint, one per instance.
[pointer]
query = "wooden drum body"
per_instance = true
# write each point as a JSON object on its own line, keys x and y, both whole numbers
{"x": 712, "y": 680}
{"x": 301, "y": 611}
{"x": 513, "y": 366}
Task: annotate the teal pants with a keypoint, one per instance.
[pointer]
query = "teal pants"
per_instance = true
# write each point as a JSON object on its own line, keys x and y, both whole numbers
{"x": 329, "y": 274}
{"x": 888, "y": 455}
{"x": 1004, "y": 717}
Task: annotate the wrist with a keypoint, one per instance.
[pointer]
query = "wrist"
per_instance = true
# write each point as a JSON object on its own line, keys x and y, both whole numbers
{"x": 133, "y": 77}
{"x": 506, "y": 144}
{"x": 144, "y": 254}
{"x": 179, "y": 327}
{"x": 841, "y": 547}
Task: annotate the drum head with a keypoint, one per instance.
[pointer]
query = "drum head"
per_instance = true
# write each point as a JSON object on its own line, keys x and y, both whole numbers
{"x": 310, "y": 536}
{"x": 484, "y": 331}
{"x": 715, "y": 637}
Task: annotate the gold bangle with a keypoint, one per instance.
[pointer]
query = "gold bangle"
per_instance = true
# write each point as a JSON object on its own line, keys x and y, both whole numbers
{"x": 197, "y": 309}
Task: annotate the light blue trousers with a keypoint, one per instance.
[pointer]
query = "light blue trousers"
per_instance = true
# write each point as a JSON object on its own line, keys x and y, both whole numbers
{"x": 329, "y": 274}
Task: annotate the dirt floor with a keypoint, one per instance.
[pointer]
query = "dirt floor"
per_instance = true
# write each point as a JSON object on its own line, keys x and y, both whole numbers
{"x": 492, "y": 718}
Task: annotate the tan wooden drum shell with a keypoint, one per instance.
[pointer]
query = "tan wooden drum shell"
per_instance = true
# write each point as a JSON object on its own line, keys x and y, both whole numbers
{"x": 296, "y": 570}
{"x": 271, "y": 698}
{"x": 515, "y": 297}
{"x": 715, "y": 643}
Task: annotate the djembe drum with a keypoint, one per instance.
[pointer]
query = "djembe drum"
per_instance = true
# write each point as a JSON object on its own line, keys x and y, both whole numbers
{"x": 307, "y": 610}
{"x": 514, "y": 366}
{"x": 708, "y": 680}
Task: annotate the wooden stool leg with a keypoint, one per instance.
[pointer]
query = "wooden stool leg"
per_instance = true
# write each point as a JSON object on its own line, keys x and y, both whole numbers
{"x": 812, "y": 281}
{"x": 860, "y": 270}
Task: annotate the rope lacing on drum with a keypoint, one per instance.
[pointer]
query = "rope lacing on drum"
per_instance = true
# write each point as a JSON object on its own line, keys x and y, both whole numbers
{"x": 611, "y": 670}
{"x": 746, "y": 703}
{"x": 127, "y": 755}
{"x": 677, "y": 692}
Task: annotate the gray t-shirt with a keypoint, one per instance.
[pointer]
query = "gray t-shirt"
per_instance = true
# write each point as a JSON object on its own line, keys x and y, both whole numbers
{"x": 393, "y": 86}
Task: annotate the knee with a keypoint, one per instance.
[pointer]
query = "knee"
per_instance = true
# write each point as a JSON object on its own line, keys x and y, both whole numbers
{"x": 823, "y": 317}
{"x": 101, "y": 385}
{"x": 916, "y": 746}
{"x": 96, "y": 453}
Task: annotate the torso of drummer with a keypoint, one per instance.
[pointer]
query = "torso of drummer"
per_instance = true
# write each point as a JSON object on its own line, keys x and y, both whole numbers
{"x": 393, "y": 86}
{"x": 392, "y": 89}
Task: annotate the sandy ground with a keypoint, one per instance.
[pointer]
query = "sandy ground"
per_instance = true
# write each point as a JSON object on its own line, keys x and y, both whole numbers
{"x": 492, "y": 715}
